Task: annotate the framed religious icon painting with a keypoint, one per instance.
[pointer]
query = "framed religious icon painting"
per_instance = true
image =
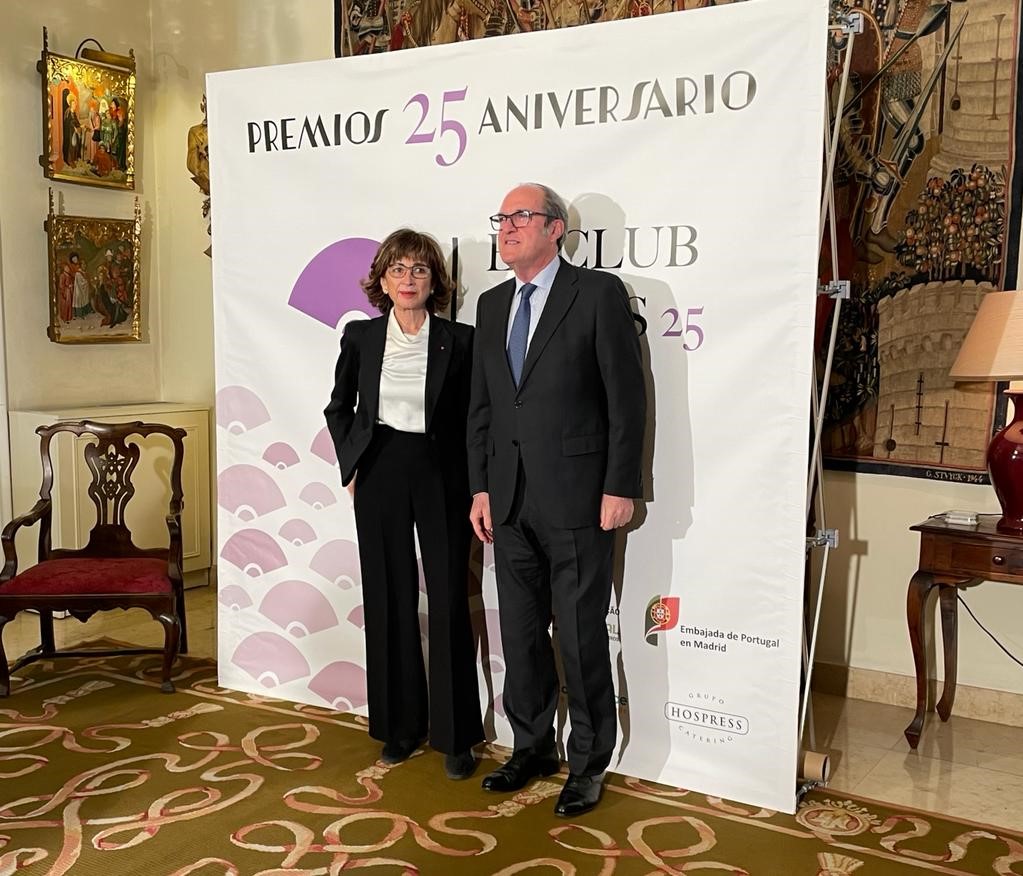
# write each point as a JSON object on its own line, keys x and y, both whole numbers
{"x": 88, "y": 119}
{"x": 95, "y": 294}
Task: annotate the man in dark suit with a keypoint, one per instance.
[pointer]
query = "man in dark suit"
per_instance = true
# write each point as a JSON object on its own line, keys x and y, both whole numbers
{"x": 555, "y": 432}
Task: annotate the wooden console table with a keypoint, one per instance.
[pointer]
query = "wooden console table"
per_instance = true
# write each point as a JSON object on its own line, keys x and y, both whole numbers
{"x": 952, "y": 557}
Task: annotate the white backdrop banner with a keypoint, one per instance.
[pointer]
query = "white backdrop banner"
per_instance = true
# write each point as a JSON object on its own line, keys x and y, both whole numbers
{"x": 688, "y": 146}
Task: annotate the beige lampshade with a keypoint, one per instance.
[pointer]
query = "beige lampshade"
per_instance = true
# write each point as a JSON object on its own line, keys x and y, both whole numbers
{"x": 993, "y": 347}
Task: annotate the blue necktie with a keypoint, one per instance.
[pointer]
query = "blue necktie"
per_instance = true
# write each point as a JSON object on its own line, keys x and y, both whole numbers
{"x": 519, "y": 338}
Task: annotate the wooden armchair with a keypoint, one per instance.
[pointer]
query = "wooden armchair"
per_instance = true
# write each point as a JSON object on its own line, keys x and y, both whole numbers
{"x": 110, "y": 571}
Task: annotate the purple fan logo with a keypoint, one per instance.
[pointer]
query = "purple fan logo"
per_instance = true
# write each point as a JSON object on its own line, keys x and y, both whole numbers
{"x": 328, "y": 287}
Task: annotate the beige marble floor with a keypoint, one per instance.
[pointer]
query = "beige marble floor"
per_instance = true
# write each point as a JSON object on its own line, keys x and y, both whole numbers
{"x": 966, "y": 768}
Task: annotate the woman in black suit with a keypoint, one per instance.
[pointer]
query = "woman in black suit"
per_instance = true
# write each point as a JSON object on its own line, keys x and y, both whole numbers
{"x": 397, "y": 416}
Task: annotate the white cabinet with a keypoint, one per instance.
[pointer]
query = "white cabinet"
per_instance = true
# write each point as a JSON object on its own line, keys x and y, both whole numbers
{"x": 74, "y": 514}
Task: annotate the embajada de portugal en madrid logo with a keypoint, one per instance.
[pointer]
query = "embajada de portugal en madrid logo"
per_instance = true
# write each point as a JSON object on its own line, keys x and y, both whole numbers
{"x": 662, "y": 614}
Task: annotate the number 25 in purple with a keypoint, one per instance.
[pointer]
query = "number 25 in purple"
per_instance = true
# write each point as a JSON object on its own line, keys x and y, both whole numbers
{"x": 691, "y": 327}
{"x": 446, "y": 125}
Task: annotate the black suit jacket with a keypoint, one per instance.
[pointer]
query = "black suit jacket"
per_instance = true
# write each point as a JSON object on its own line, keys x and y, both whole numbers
{"x": 576, "y": 420}
{"x": 354, "y": 403}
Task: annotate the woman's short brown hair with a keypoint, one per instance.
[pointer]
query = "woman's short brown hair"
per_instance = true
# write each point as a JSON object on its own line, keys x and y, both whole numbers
{"x": 406, "y": 243}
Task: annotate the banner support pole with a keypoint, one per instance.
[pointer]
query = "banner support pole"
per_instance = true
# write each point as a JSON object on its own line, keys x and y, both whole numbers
{"x": 814, "y": 767}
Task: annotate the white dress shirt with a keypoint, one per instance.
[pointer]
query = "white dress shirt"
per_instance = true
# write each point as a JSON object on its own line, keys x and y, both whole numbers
{"x": 543, "y": 282}
{"x": 402, "y": 403}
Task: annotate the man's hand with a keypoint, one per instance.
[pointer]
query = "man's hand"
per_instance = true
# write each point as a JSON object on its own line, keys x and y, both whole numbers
{"x": 615, "y": 511}
{"x": 479, "y": 517}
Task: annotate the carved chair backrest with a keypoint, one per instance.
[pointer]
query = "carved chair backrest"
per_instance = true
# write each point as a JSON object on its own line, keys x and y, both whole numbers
{"x": 111, "y": 460}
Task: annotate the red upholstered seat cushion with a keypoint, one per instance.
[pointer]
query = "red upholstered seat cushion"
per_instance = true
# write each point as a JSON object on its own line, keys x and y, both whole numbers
{"x": 91, "y": 577}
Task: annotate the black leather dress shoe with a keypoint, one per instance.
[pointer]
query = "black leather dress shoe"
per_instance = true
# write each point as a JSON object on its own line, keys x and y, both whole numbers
{"x": 523, "y": 766}
{"x": 398, "y": 750}
{"x": 580, "y": 794}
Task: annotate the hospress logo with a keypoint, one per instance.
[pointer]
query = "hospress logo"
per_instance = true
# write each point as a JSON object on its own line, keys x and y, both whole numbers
{"x": 662, "y": 614}
{"x": 724, "y": 724}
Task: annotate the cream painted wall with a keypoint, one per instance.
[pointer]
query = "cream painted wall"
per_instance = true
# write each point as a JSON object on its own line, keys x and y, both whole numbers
{"x": 40, "y": 372}
{"x": 863, "y": 624}
{"x": 177, "y": 43}
{"x": 5, "y": 447}
{"x": 191, "y": 39}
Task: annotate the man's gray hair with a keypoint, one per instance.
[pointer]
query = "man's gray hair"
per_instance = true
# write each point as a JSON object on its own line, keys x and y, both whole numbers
{"x": 553, "y": 206}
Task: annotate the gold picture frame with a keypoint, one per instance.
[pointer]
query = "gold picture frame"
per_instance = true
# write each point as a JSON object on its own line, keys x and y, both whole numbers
{"x": 95, "y": 293}
{"x": 88, "y": 120}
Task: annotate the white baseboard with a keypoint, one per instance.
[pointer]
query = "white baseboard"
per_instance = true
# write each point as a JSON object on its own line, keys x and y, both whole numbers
{"x": 984, "y": 704}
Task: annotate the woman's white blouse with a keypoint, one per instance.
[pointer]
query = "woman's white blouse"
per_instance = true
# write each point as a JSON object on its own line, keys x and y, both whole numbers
{"x": 403, "y": 378}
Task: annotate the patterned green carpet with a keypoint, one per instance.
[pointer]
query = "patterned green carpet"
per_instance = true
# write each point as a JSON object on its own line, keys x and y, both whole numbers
{"x": 102, "y": 774}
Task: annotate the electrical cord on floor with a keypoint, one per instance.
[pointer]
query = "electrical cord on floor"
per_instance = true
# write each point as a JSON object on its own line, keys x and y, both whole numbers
{"x": 986, "y": 630}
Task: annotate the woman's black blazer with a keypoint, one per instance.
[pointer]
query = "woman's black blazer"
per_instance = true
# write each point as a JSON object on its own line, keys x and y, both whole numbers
{"x": 352, "y": 412}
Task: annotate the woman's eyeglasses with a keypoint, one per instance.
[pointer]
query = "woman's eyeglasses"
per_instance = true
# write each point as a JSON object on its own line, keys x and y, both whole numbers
{"x": 398, "y": 271}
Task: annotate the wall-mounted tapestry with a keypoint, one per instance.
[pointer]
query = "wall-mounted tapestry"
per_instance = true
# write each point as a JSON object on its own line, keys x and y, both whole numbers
{"x": 928, "y": 193}
{"x": 369, "y": 26}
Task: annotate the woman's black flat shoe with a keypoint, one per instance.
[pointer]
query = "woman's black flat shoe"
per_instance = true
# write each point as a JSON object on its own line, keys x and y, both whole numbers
{"x": 399, "y": 750}
{"x": 460, "y": 766}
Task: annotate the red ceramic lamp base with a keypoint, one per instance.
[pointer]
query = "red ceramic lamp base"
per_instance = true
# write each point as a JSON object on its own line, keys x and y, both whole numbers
{"x": 1005, "y": 465}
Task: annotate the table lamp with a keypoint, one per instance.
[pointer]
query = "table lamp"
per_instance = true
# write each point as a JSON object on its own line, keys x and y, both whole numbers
{"x": 993, "y": 350}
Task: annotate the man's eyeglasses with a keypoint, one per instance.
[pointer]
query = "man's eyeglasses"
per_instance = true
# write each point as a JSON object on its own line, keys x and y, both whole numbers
{"x": 518, "y": 219}
{"x": 398, "y": 271}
